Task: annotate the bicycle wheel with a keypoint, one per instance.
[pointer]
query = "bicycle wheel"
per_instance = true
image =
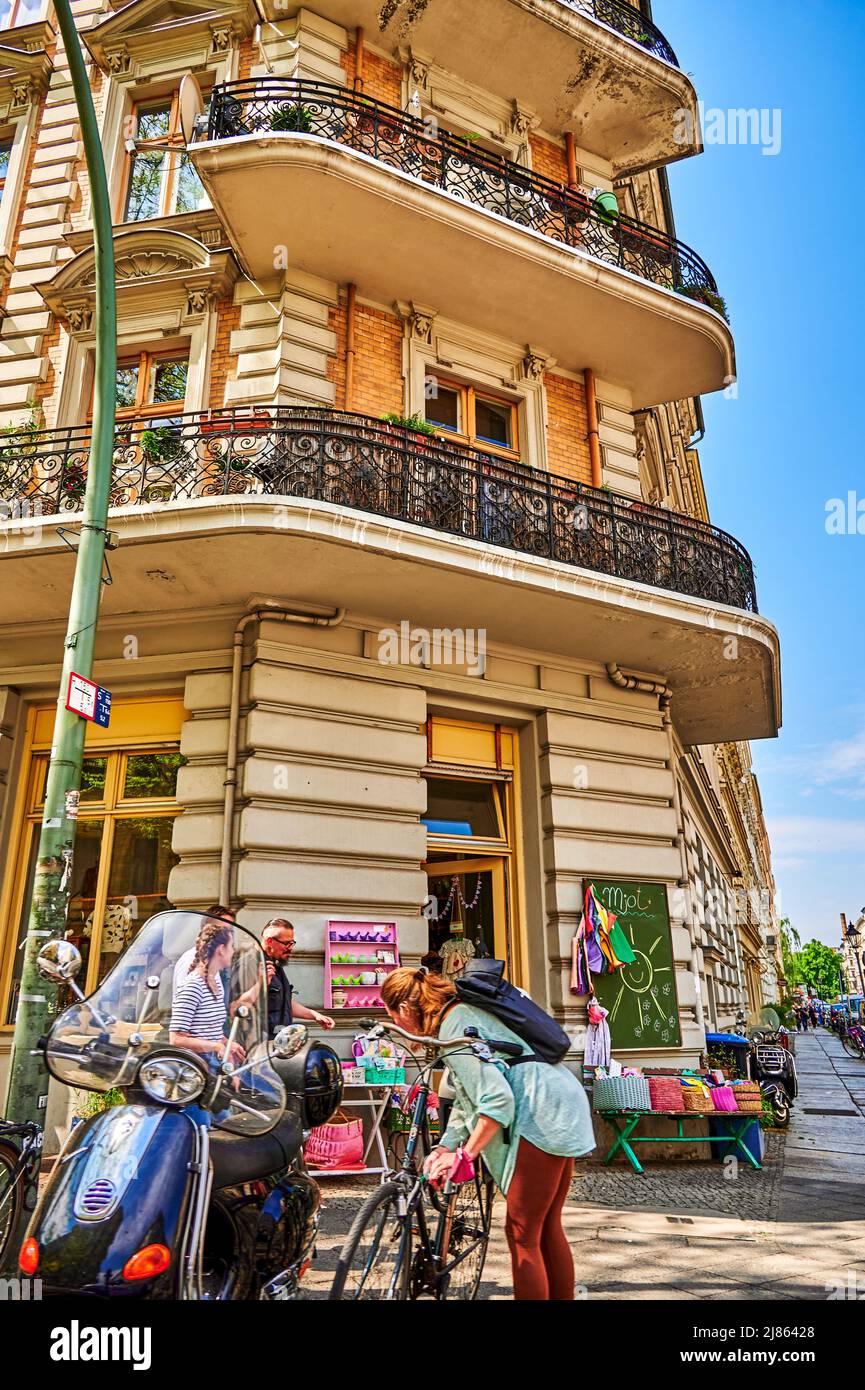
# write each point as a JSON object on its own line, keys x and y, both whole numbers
{"x": 469, "y": 1239}
{"x": 11, "y": 1197}
{"x": 851, "y": 1046}
{"x": 375, "y": 1261}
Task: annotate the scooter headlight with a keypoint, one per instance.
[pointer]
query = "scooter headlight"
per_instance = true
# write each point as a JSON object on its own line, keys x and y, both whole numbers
{"x": 171, "y": 1080}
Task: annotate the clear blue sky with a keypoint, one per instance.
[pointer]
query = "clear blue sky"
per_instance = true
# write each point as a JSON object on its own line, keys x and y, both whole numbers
{"x": 784, "y": 236}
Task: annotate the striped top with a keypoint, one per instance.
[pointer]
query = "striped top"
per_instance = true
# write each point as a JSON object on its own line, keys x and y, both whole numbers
{"x": 197, "y": 1010}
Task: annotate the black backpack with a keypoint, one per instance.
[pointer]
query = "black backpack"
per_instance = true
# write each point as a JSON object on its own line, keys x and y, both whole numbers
{"x": 484, "y": 986}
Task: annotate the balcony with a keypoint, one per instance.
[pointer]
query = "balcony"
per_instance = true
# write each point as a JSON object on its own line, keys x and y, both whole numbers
{"x": 596, "y": 68}
{"x": 283, "y": 156}
{"x": 209, "y": 503}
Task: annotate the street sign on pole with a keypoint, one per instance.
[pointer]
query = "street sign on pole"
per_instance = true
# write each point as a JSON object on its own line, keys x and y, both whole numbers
{"x": 88, "y": 699}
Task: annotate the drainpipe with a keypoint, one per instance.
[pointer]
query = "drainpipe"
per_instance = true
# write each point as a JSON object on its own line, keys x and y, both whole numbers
{"x": 572, "y": 159}
{"x": 279, "y": 614}
{"x": 351, "y": 295}
{"x": 593, "y": 436}
{"x": 359, "y": 56}
{"x": 665, "y": 695}
{"x": 700, "y": 433}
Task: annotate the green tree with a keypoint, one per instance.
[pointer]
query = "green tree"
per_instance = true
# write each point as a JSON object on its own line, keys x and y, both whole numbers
{"x": 790, "y": 943}
{"x": 818, "y": 965}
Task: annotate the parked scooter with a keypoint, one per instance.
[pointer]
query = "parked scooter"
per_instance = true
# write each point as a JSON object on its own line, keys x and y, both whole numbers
{"x": 774, "y": 1066}
{"x": 194, "y": 1188}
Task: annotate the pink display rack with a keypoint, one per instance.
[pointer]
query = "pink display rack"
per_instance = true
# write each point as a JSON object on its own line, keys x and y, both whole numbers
{"x": 374, "y": 951}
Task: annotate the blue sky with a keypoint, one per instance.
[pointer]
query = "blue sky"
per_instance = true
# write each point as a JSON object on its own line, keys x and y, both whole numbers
{"x": 784, "y": 237}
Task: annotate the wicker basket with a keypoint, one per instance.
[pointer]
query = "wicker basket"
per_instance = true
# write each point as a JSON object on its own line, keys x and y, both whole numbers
{"x": 698, "y": 1099}
{"x": 622, "y": 1093}
{"x": 665, "y": 1093}
{"x": 749, "y": 1098}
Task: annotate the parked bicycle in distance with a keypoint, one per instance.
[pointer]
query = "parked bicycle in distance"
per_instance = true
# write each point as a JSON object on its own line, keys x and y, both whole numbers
{"x": 19, "y": 1164}
{"x": 411, "y": 1240}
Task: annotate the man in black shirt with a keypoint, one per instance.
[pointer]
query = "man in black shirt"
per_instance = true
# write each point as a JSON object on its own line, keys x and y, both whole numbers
{"x": 277, "y": 939}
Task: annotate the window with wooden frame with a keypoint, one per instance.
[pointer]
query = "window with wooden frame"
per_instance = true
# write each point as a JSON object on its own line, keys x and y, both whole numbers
{"x": 15, "y": 12}
{"x": 159, "y": 178}
{"x": 475, "y": 416}
{"x": 151, "y": 383}
{"x": 123, "y": 854}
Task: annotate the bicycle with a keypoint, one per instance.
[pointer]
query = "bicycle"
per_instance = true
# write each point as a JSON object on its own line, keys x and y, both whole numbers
{"x": 410, "y": 1239}
{"x": 18, "y": 1176}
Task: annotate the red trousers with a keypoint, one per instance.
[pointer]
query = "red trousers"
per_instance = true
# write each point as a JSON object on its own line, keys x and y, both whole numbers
{"x": 543, "y": 1266}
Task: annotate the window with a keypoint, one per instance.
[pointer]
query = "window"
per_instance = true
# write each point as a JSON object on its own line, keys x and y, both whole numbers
{"x": 15, "y": 12}
{"x": 486, "y": 421}
{"x": 150, "y": 381}
{"x": 160, "y": 179}
{"x": 123, "y": 854}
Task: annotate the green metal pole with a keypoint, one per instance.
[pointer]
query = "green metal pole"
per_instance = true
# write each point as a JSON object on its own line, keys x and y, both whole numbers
{"x": 28, "y": 1080}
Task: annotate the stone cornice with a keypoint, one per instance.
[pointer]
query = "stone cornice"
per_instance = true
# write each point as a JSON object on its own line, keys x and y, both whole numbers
{"x": 147, "y": 27}
{"x": 25, "y": 66}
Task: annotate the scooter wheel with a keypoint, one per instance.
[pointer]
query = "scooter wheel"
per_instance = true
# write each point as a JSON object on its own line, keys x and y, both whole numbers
{"x": 781, "y": 1113}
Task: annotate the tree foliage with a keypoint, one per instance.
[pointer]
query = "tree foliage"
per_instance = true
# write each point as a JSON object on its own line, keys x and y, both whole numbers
{"x": 819, "y": 967}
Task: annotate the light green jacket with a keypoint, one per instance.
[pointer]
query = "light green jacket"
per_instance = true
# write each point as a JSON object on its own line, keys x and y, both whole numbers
{"x": 543, "y": 1104}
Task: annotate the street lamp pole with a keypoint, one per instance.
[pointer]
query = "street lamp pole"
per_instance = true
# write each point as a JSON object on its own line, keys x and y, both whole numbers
{"x": 27, "y": 1092}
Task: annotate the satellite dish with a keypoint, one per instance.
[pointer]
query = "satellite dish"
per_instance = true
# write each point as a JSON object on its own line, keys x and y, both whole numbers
{"x": 191, "y": 106}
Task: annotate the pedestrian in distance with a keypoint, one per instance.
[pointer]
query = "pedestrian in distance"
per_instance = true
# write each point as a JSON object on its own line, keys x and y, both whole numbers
{"x": 526, "y": 1123}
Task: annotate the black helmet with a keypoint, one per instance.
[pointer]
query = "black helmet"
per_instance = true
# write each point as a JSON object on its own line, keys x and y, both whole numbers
{"x": 313, "y": 1083}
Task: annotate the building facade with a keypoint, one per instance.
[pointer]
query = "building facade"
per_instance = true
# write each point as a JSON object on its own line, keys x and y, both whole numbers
{"x": 407, "y": 493}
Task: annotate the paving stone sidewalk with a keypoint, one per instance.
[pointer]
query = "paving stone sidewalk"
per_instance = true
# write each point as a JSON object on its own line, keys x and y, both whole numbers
{"x": 685, "y": 1231}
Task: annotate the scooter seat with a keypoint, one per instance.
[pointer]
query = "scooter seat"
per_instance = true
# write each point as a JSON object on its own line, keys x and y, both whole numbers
{"x": 240, "y": 1158}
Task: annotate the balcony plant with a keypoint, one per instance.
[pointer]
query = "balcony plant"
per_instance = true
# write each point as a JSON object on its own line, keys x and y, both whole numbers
{"x": 703, "y": 295}
{"x": 160, "y": 444}
{"x": 415, "y": 422}
{"x": 17, "y": 443}
{"x": 292, "y": 117}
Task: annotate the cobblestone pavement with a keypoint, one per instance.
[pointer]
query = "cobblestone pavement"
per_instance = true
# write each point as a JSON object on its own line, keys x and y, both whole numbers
{"x": 685, "y": 1231}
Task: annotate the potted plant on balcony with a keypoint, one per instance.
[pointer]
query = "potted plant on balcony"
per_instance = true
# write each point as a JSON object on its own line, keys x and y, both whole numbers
{"x": 415, "y": 422}
{"x": 160, "y": 445}
{"x": 703, "y": 295}
{"x": 19, "y": 443}
{"x": 293, "y": 117}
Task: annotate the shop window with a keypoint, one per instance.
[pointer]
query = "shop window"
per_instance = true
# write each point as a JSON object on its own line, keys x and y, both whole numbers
{"x": 151, "y": 381}
{"x": 16, "y": 12}
{"x": 472, "y": 809}
{"x": 475, "y": 417}
{"x": 123, "y": 855}
{"x": 160, "y": 178}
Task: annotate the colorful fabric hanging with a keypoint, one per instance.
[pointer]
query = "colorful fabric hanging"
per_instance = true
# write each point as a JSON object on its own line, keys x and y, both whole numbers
{"x": 599, "y": 946}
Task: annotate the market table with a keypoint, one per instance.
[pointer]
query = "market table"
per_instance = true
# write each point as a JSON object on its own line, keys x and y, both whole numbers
{"x": 625, "y": 1122}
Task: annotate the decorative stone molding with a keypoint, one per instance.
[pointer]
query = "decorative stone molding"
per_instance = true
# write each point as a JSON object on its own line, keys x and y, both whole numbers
{"x": 535, "y": 363}
{"x": 522, "y": 121}
{"x": 419, "y": 319}
{"x": 417, "y": 68}
{"x": 154, "y": 268}
{"x": 188, "y": 32}
{"x": 25, "y": 66}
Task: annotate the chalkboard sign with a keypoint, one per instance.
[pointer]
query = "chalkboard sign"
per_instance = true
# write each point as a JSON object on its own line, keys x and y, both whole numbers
{"x": 641, "y": 997}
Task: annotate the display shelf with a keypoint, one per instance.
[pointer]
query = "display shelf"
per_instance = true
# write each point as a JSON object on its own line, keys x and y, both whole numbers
{"x": 374, "y": 952}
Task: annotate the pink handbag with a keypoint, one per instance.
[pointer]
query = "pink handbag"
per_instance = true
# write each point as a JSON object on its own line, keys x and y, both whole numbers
{"x": 723, "y": 1098}
{"x": 338, "y": 1144}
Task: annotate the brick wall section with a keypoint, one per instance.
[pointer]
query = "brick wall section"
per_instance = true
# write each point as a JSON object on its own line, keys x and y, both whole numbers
{"x": 378, "y": 382}
{"x": 247, "y": 55}
{"x": 567, "y": 442}
{"x": 382, "y": 79}
{"x": 549, "y": 159}
{"x": 223, "y": 366}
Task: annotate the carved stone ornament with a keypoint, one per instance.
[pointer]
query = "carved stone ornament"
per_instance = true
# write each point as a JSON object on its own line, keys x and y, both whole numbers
{"x": 223, "y": 36}
{"x": 534, "y": 365}
{"x": 24, "y": 91}
{"x": 419, "y": 317}
{"x": 142, "y": 265}
{"x": 80, "y": 318}
{"x": 198, "y": 302}
{"x": 522, "y": 121}
{"x": 118, "y": 60}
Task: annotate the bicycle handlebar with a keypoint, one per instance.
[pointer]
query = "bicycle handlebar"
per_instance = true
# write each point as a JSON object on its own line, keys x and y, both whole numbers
{"x": 471, "y": 1039}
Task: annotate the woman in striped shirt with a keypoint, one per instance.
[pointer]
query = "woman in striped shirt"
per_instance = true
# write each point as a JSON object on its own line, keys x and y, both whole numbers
{"x": 199, "y": 1012}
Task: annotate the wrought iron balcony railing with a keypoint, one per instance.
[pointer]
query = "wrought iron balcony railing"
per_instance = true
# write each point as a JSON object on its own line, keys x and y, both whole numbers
{"x": 626, "y": 19}
{"x": 459, "y": 167}
{"x": 385, "y": 470}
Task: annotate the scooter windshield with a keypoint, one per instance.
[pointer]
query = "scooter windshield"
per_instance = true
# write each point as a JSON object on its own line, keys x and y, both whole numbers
{"x": 182, "y": 1016}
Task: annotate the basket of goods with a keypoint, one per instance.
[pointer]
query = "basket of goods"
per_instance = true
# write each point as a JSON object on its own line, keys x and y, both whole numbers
{"x": 749, "y": 1098}
{"x": 723, "y": 1098}
{"x": 697, "y": 1096}
{"x": 621, "y": 1093}
{"x": 665, "y": 1093}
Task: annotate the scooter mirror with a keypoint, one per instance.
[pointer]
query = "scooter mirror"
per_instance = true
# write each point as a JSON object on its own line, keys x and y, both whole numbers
{"x": 59, "y": 960}
{"x": 152, "y": 982}
{"x": 289, "y": 1041}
